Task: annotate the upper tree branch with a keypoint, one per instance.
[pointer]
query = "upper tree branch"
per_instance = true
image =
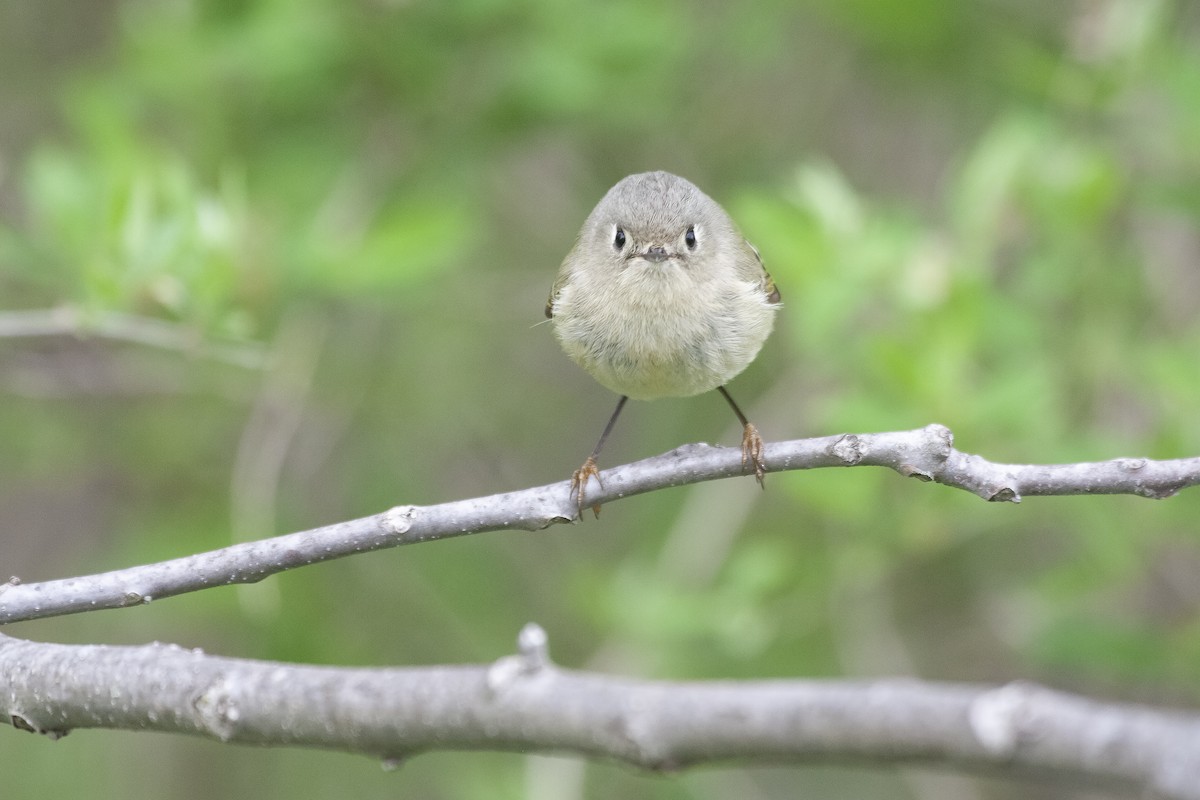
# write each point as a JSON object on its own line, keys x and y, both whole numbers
{"x": 70, "y": 321}
{"x": 523, "y": 703}
{"x": 927, "y": 454}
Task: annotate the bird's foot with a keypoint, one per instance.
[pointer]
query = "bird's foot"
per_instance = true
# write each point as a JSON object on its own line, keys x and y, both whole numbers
{"x": 580, "y": 479}
{"x": 752, "y": 452}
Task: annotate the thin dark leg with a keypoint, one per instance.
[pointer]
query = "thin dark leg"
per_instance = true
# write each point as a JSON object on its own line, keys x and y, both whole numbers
{"x": 752, "y": 443}
{"x": 608, "y": 428}
{"x": 741, "y": 417}
{"x": 589, "y": 470}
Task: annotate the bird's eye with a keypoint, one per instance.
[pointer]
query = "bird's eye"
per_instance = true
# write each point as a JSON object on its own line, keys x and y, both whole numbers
{"x": 689, "y": 238}
{"x": 619, "y": 239}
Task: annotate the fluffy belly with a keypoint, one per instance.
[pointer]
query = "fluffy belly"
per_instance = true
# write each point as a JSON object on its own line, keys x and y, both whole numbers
{"x": 646, "y": 356}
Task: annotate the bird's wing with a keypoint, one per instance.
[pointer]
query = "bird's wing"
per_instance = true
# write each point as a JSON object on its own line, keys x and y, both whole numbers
{"x": 765, "y": 280}
{"x": 555, "y": 288}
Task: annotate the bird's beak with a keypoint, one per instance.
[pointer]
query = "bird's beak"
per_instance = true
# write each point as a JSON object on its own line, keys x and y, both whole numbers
{"x": 656, "y": 253}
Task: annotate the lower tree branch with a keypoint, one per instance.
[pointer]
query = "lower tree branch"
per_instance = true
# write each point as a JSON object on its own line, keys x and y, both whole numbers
{"x": 524, "y": 703}
{"x": 927, "y": 454}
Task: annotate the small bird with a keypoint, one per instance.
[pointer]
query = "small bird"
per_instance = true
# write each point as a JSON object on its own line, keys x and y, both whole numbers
{"x": 661, "y": 296}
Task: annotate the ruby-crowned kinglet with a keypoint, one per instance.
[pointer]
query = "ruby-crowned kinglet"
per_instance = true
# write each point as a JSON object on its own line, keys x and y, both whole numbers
{"x": 662, "y": 297}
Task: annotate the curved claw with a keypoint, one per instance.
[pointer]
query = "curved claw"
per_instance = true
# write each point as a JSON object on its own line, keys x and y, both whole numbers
{"x": 752, "y": 452}
{"x": 579, "y": 481}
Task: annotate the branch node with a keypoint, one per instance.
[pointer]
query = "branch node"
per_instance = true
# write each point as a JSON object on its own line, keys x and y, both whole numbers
{"x": 217, "y": 709}
{"x": 1160, "y": 493}
{"x": 504, "y": 673}
{"x": 1005, "y": 494}
{"x": 533, "y": 656}
{"x": 533, "y": 646}
{"x": 995, "y": 718}
{"x": 691, "y": 449}
{"x": 665, "y": 766}
{"x": 943, "y": 439}
{"x": 20, "y": 723}
{"x": 398, "y": 520}
{"x": 847, "y": 449}
{"x": 909, "y": 471}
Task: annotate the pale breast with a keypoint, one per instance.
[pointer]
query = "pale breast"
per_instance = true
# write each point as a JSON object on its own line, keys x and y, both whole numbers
{"x": 664, "y": 343}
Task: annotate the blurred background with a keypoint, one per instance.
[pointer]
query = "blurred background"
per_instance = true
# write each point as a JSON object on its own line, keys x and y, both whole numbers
{"x": 270, "y": 265}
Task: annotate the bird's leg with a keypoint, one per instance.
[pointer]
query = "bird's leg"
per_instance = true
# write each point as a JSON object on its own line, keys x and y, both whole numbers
{"x": 752, "y": 443}
{"x": 589, "y": 470}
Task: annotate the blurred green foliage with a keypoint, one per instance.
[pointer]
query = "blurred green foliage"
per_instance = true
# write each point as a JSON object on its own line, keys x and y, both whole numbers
{"x": 983, "y": 214}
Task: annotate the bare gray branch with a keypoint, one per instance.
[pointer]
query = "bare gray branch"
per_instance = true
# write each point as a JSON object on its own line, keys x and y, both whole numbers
{"x": 524, "y": 703}
{"x": 926, "y": 453}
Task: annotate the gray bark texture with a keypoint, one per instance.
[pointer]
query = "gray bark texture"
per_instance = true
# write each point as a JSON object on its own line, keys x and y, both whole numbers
{"x": 524, "y": 703}
{"x": 927, "y": 454}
